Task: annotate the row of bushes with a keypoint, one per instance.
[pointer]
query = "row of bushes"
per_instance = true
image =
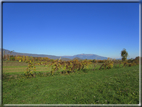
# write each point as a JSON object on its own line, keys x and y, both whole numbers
{"x": 75, "y": 65}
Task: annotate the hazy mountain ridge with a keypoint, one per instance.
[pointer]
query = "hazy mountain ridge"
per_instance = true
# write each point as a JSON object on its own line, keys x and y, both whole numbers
{"x": 86, "y": 56}
{"x": 34, "y": 55}
{"x": 81, "y": 56}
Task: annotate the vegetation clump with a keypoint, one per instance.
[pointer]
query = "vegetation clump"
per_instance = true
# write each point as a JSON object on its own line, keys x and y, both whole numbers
{"x": 124, "y": 54}
{"x": 71, "y": 65}
{"x": 108, "y": 64}
{"x": 30, "y": 70}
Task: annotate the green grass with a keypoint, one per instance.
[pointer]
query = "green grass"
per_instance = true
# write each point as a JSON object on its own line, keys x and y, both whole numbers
{"x": 15, "y": 68}
{"x": 10, "y": 67}
{"x": 113, "y": 86}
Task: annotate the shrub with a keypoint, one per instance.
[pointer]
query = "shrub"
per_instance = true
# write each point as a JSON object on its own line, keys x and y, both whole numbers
{"x": 30, "y": 70}
{"x": 136, "y": 60}
{"x": 133, "y": 64}
{"x": 12, "y": 58}
{"x": 130, "y": 64}
{"x": 125, "y": 63}
{"x": 101, "y": 61}
{"x": 55, "y": 66}
{"x": 94, "y": 61}
{"x": 130, "y": 60}
{"x": 110, "y": 65}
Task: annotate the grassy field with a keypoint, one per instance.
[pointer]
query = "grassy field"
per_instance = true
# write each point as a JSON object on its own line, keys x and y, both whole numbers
{"x": 15, "y": 67}
{"x": 113, "y": 86}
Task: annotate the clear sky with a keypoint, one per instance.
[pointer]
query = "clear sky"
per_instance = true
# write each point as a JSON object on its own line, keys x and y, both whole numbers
{"x": 103, "y": 29}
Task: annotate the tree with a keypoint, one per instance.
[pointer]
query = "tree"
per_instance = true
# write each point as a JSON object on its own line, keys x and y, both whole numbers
{"x": 10, "y": 53}
{"x": 27, "y": 58}
{"x": 16, "y": 57}
{"x": 23, "y": 58}
{"x": 7, "y": 57}
{"x": 124, "y": 55}
{"x": 31, "y": 58}
{"x": 12, "y": 58}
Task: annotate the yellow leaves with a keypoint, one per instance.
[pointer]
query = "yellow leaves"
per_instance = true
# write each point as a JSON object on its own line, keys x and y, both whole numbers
{"x": 69, "y": 65}
{"x": 55, "y": 66}
{"x": 34, "y": 68}
{"x": 64, "y": 68}
{"x": 110, "y": 65}
{"x": 30, "y": 69}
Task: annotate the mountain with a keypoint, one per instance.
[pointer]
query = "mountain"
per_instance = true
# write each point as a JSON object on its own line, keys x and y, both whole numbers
{"x": 33, "y": 55}
{"x": 86, "y": 56}
{"x": 79, "y": 56}
{"x": 65, "y": 59}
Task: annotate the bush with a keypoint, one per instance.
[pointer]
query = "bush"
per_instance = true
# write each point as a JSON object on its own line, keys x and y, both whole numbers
{"x": 125, "y": 63}
{"x": 101, "y": 61}
{"x": 133, "y": 64}
{"x": 110, "y": 65}
{"x": 130, "y": 64}
{"x": 12, "y": 58}
{"x": 130, "y": 60}
{"x": 30, "y": 70}
{"x": 94, "y": 61}
{"x": 136, "y": 60}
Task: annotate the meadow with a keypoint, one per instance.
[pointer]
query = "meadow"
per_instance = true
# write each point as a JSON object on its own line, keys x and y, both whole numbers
{"x": 118, "y": 85}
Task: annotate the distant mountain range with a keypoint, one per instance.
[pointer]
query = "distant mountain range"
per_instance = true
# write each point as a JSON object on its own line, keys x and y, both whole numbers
{"x": 85, "y": 56}
{"x": 28, "y": 54}
{"x": 80, "y": 56}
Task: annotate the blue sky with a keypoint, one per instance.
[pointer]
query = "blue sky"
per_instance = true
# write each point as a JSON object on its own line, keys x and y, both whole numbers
{"x": 103, "y": 29}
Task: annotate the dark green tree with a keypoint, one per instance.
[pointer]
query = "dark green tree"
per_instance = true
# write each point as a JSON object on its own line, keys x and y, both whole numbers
{"x": 124, "y": 55}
